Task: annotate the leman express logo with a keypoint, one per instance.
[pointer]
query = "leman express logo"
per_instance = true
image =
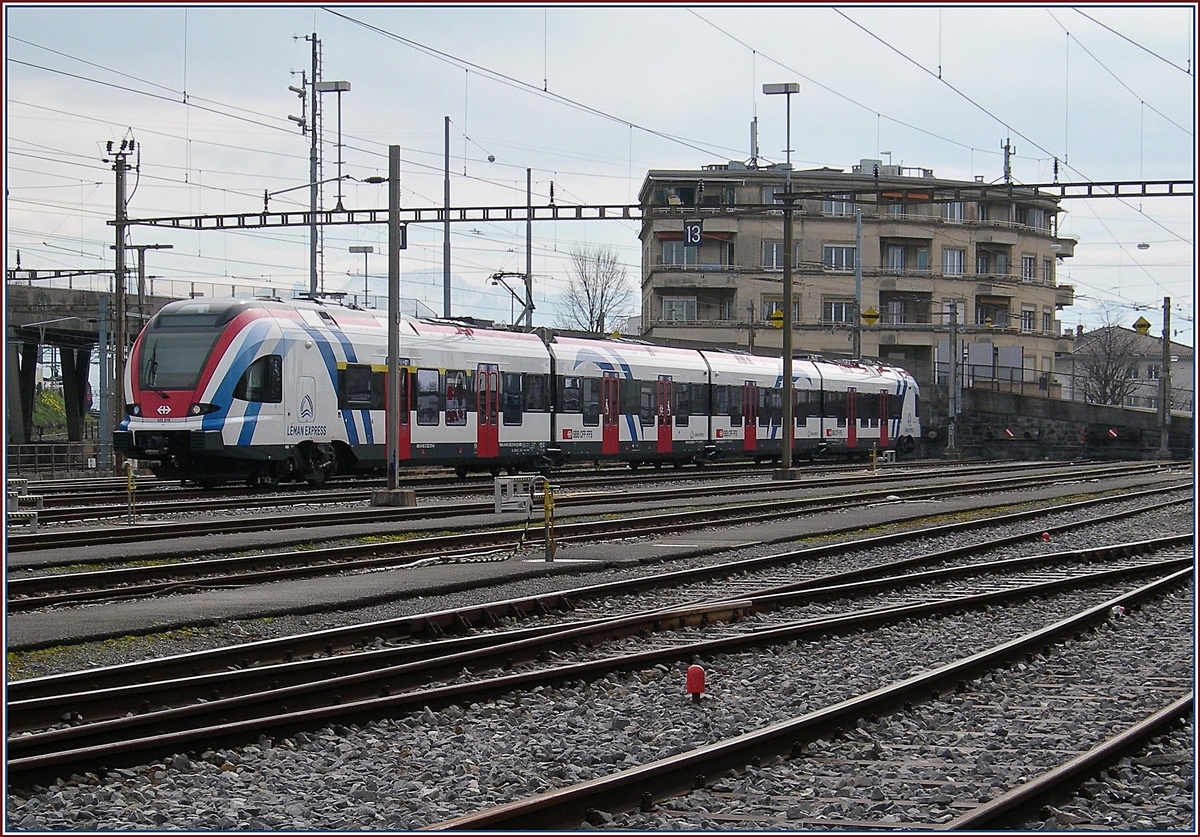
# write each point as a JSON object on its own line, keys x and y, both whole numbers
{"x": 306, "y": 409}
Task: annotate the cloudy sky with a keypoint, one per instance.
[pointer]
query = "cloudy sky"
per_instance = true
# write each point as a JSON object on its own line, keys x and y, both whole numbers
{"x": 589, "y": 98}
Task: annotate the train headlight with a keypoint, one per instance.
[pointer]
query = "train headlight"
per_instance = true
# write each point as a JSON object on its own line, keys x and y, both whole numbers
{"x": 201, "y": 409}
{"x": 133, "y": 409}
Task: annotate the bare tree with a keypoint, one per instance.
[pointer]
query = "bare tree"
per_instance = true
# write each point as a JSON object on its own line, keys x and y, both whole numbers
{"x": 1106, "y": 365}
{"x": 597, "y": 293}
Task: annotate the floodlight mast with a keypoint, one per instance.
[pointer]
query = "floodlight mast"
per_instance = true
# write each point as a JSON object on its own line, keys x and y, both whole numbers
{"x": 789, "y": 200}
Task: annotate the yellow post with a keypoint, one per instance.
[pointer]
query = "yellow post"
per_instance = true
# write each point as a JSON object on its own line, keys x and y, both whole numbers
{"x": 548, "y": 504}
{"x": 874, "y": 456}
{"x": 131, "y": 486}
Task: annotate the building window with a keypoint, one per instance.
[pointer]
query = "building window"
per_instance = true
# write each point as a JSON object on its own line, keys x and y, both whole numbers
{"x": 981, "y": 212}
{"x": 839, "y": 257}
{"x": 773, "y": 255}
{"x": 991, "y": 311}
{"x": 953, "y": 212}
{"x": 953, "y": 261}
{"x": 895, "y": 312}
{"x": 1028, "y": 268}
{"x": 771, "y": 194}
{"x": 1153, "y": 370}
{"x": 840, "y": 206}
{"x": 770, "y": 306}
{"x": 1047, "y": 321}
{"x": 1028, "y": 316}
{"x": 895, "y": 257}
{"x": 679, "y": 308}
{"x": 895, "y": 209}
{"x": 674, "y": 253}
{"x": 923, "y": 259}
{"x": 1048, "y": 271}
{"x": 838, "y": 311}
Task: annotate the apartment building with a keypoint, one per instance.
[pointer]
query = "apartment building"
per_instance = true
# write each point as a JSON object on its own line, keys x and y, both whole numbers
{"x": 713, "y": 265}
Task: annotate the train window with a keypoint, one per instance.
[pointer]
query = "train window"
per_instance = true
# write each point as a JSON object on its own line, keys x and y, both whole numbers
{"x": 804, "y": 405}
{"x": 770, "y": 406}
{"x": 457, "y": 398}
{"x": 354, "y": 387}
{"x": 895, "y": 406}
{"x": 511, "y": 399}
{"x": 535, "y": 393}
{"x": 262, "y": 381}
{"x": 647, "y": 403}
{"x": 683, "y": 404}
{"x": 835, "y": 407}
{"x": 735, "y": 405}
{"x": 570, "y": 398}
{"x": 429, "y": 396}
{"x": 720, "y": 401}
{"x": 404, "y": 399}
{"x": 591, "y": 402}
{"x": 700, "y": 399}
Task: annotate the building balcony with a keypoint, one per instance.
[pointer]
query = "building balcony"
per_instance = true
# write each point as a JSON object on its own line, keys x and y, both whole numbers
{"x": 1064, "y": 295}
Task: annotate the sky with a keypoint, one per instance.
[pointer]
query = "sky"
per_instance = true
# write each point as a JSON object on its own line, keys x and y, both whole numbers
{"x": 588, "y": 99}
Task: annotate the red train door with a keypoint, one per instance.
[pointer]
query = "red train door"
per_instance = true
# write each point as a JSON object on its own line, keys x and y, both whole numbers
{"x": 851, "y": 418}
{"x": 610, "y": 409}
{"x": 404, "y": 437}
{"x": 883, "y": 419}
{"x": 750, "y": 415}
{"x": 666, "y": 413}
{"x": 487, "y": 410}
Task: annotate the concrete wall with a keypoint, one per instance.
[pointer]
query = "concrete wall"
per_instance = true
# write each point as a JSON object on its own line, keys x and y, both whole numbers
{"x": 1004, "y": 425}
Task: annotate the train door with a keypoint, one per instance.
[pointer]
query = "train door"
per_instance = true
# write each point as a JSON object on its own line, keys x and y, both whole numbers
{"x": 610, "y": 414}
{"x": 750, "y": 415}
{"x": 666, "y": 412}
{"x": 404, "y": 437}
{"x": 883, "y": 419}
{"x": 487, "y": 410}
{"x": 851, "y": 418}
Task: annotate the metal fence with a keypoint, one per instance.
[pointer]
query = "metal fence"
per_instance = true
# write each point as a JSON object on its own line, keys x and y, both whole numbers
{"x": 52, "y": 458}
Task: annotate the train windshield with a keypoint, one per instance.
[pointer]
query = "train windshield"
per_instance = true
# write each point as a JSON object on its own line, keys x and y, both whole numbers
{"x": 176, "y": 344}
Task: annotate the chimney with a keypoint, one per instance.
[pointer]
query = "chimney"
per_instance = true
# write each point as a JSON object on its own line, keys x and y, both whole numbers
{"x": 1079, "y": 331}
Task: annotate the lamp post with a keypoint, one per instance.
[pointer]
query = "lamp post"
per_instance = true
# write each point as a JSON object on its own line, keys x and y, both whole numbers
{"x": 393, "y": 495}
{"x": 789, "y": 199}
{"x": 1164, "y": 385}
{"x": 364, "y": 249}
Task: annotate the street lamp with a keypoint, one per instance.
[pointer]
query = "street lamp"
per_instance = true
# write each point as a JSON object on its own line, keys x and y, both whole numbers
{"x": 789, "y": 430}
{"x": 364, "y": 249}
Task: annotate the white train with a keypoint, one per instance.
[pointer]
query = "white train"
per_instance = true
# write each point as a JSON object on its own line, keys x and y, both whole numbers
{"x": 265, "y": 391}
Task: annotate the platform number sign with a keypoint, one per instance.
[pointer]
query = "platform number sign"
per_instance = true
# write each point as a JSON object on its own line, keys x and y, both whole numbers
{"x": 692, "y": 233}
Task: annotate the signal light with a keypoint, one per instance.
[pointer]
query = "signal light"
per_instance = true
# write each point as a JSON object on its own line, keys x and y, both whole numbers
{"x": 695, "y": 682}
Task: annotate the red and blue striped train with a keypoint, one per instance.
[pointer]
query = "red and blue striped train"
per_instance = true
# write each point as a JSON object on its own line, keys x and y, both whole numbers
{"x": 267, "y": 391}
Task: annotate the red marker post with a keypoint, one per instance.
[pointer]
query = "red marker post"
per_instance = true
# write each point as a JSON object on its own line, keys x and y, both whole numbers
{"x": 695, "y": 682}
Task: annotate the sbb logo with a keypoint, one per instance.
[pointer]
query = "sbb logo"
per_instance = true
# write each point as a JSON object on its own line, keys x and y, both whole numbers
{"x": 164, "y": 410}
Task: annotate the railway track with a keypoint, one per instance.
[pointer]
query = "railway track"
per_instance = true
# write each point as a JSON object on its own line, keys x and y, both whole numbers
{"x": 202, "y": 712}
{"x": 44, "y": 589}
{"x": 81, "y": 537}
{"x": 165, "y": 500}
{"x": 804, "y": 761}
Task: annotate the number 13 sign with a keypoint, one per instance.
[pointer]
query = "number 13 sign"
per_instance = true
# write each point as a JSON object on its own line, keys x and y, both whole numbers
{"x": 692, "y": 233}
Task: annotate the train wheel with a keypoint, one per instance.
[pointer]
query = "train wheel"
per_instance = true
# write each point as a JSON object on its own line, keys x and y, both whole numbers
{"x": 460, "y": 472}
{"x": 318, "y": 463}
{"x": 512, "y": 470}
{"x": 494, "y": 470}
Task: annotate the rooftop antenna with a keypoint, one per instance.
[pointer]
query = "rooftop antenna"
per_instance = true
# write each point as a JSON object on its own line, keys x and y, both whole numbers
{"x": 754, "y": 143}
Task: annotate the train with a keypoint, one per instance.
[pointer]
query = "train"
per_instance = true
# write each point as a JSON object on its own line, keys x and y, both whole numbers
{"x": 268, "y": 391}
